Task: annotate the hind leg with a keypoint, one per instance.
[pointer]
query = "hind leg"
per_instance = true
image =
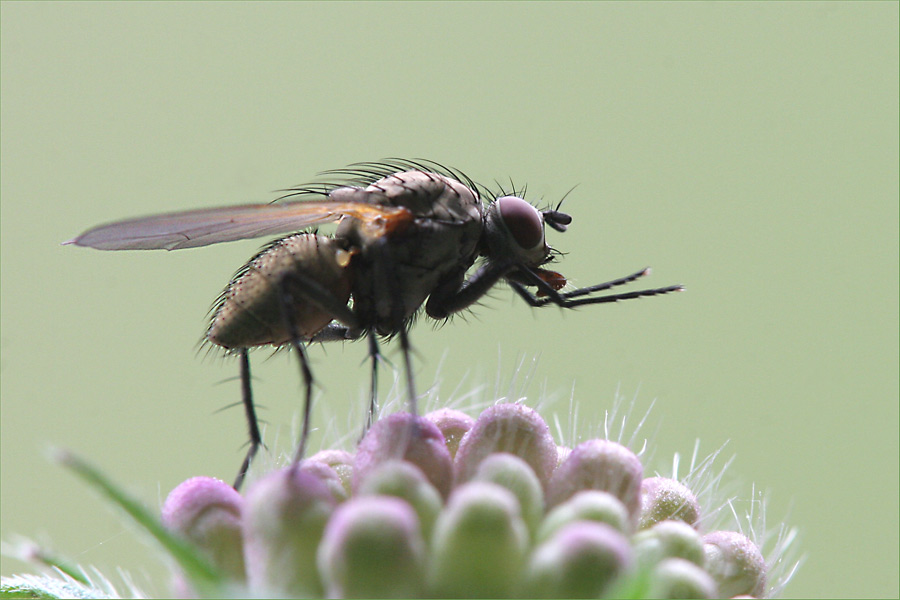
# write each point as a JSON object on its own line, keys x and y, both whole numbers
{"x": 296, "y": 341}
{"x": 252, "y": 421}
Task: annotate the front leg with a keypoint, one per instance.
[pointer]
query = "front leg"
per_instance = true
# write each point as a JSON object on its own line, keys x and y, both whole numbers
{"x": 571, "y": 299}
{"x": 455, "y": 295}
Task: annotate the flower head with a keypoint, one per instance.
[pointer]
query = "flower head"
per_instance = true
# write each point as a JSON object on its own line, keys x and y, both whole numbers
{"x": 499, "y": 511}
{"x": 502, "y": 510}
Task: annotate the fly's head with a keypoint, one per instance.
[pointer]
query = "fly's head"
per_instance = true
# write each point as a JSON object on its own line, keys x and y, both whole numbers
{"x": 514, "y": 233}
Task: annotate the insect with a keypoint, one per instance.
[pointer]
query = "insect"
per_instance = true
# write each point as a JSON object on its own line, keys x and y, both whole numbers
{"x": 408, "y": 233}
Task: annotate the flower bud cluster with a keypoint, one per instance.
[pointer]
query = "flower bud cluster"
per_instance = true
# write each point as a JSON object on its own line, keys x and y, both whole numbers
{"x": 447, "y": 505}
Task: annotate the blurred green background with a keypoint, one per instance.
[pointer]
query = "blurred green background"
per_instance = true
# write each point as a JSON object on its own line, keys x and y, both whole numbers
{"x": 748, "y": 151}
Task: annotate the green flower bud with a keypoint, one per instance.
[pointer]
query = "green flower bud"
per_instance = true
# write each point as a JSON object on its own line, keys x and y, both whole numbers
{"x": 664, "y": 499}
{"x": 284, "y": 516}
{"x": 580, "y": 560}
{"x": 405, "y": 481}
{"x": 372, "y": 547}
{"x": 680, "y": 578}
{"x": 207, "y": 512}
{"x": 511, "y": 428}
{"x": 479, "y": 543}
{"x": 735, "y": 563}
{"x": 589, "y": 505}
{"x": 669, "y": 539}
{"x": 514, "y": 474}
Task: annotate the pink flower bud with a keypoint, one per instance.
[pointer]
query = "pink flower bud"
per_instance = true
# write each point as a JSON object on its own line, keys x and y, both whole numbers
{"x": 511, "y": 428}
{"x": 284, "y": 516}
{"x": 207, "y": 512}
{"x": 342, "y": 463}
{"x": 453, "y": 425}
{"x": 599, "y": 465}
{"x": 403, "y": 437}
{"x": 664, "y": 499}
{"x": 735, "y": 563}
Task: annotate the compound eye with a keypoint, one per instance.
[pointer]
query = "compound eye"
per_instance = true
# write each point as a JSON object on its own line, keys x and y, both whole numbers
{"x": 522, "y": 220}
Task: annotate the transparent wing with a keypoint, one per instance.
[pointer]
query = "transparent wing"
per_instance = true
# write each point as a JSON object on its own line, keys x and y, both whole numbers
{"x": 193, "y": 228}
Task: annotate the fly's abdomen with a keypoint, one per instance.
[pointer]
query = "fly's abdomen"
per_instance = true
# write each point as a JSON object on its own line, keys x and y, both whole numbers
{"x": 250, "y": 311}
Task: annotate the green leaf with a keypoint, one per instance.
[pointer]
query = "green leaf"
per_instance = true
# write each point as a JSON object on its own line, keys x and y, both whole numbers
{"x": 205, "y": 578}
{"x": 30, "y": 552}
{"x": 40, "y": 586}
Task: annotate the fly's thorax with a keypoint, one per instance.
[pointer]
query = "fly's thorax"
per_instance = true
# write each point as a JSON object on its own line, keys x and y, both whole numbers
{"x": 429, "y": 195}
{"x": 448, "y": 216}
{"x": 250, "y": 311}
{"x": 441, "y": 242}
{"x": 419, "y": 260}
{"x": 514, "y": 231}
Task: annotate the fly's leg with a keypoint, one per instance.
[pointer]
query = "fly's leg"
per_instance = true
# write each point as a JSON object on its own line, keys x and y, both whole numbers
{"x": 300, "y": 287}
{"x": 287, "y": 303}
{"x": 336, "y": 332}
{"x": 607, "y": 285}
{"x": 252, "y": 422}
{"x": 387, "y": 286}
{"x": 455, "y": 295}
{"x": 374, "y": 356}
{"x": 573, "y": 299}
{"x": 410, "y": 384}
{"x": 307, "y": 403}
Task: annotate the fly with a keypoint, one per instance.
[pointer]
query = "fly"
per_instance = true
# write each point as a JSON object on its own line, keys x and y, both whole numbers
{"x": 408, "y": 234}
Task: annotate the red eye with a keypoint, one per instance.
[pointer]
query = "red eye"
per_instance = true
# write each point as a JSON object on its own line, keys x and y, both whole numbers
{"x": 523, "y": 221}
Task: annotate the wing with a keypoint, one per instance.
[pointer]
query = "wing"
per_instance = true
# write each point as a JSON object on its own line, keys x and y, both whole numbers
{"x": 193, "y": 228}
